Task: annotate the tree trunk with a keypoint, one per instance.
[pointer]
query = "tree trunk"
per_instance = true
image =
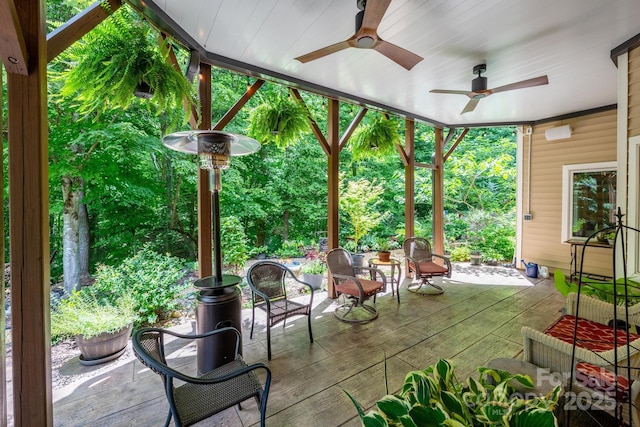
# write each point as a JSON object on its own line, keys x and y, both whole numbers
{"x": 83, "y": 238}
{"x": 285, "y": 225}
{"x": 75, "y": 235}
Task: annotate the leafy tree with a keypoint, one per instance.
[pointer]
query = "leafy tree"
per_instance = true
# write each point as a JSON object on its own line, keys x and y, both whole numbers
{"x": 358, "y": 200}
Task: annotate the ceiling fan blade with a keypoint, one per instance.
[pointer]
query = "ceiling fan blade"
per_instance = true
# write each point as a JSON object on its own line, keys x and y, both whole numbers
{"x": 401, "y": 56}
{"x": 317, "y": 54}
{"x": 471, "y": 105}
{"x": 373, "y": 13}
{"x": 536, "y": 81}
{"x": 454, "y": 92}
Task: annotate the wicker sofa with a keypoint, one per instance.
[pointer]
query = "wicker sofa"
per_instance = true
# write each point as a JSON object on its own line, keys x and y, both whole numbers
{"x": 595, "y": 352}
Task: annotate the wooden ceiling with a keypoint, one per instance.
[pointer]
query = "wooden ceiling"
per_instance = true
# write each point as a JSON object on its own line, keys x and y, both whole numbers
{"x": 570, "y": 41}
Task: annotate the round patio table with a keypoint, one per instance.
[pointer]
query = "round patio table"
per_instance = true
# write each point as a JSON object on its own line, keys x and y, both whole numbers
{"x": 393, "y": 264}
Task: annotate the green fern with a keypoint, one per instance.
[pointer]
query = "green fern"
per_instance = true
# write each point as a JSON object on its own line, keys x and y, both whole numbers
{"x": 377, "y": 139}
{"x": 115, "y": 58}
{"x": 278, "y": 120}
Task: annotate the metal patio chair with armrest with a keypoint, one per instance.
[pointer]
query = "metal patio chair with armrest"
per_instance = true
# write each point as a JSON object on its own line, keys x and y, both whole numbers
{"x": 420, "y": 263}
{"x": 199, "y": 397}
{"x": 356, "y": 289}
{"x": 269, "y": 293}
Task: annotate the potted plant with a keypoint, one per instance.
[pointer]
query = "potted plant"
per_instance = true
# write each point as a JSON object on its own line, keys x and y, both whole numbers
{"x": 280, "y": 120}
{"x": 122, "y": 59}
{"x": 313, "y": 272}
{"x": 100, "y": 325}
{"x": 384, "y": 247}
{"x": 376, "y": 139}
{"x": 435, "y": 397}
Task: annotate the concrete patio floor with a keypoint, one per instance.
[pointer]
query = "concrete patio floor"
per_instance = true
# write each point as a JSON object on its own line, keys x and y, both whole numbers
{"x": 476, "y": 319}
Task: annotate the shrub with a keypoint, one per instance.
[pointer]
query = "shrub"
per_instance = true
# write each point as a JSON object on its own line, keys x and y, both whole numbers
{"x": 233, "y": 242}
{"x": 151, "y": 279}
{"x": 290, "y": 249}
{"x": 461, "y": 253}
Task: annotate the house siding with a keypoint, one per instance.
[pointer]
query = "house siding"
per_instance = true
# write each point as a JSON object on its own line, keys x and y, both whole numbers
{"x": 634, "y": 93}
{"x": 593, "y": 140}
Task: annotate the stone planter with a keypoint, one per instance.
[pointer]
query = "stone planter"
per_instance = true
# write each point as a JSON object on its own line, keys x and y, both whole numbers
{"x": 476, "y": 259}
{"x": 315, "y": 280}
{"x": 104, "y": 347}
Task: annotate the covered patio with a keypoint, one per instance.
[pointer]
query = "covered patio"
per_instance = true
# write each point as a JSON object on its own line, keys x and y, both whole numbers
{"x": 478, "y": 318}
{"x": 464, "y": 323}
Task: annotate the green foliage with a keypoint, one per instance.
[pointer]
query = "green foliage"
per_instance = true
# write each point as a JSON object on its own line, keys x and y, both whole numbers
{"x": 233, "y": 242}
{"x": 151, "y": 279}
{"x": 316, "y": 266}
{"x": 115, "y": 58}
{"x": 600, "y": 289}
{"x": 90, "y": 312}
{"x": 434, "y": 397}
{"x": 290, "y": 249}
{"x": 461, "y": 253}
{"x": 279, "y": 120}
{"x": 358, "y": 200}
{"x": 376, "y": 139}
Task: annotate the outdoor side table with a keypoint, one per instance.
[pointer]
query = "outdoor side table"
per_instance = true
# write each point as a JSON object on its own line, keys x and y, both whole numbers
{"x": 393, "y": 264}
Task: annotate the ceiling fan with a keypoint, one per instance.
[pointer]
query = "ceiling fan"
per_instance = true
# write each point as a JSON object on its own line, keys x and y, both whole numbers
{"x": 366, "y": 37}
{"x": 479, "y": 87}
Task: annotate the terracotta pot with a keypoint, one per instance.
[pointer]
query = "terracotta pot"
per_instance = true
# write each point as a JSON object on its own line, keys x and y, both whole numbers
{"x": 384, "y": 256}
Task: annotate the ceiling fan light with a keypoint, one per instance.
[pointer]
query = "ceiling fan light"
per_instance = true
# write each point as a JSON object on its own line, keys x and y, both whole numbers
{"x": 365, "y": 42}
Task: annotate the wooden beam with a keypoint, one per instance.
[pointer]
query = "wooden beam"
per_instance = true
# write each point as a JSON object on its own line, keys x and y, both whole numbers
{"x": 205, "y": 227}
{"x": 229, "y": 115}
{"x": 455, "y": 144}
{"x": 75, "y": 28}
{"x": 425, "y": 165}
{"x": 12, "y": 45}
{"x": 312, "y": 123}
{"x": 438, "y": 194}
{"x": 333, "y": 180}
{"x": 409, "y": 178}
{"x": 29, "y": 227}
{"x": 352, "y": 127}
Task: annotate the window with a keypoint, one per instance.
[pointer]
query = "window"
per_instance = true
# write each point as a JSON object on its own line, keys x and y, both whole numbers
{"x": 588, "y": 199}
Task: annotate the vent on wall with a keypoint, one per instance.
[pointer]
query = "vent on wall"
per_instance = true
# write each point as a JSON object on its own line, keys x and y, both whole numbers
{"x": 558, "y": 132}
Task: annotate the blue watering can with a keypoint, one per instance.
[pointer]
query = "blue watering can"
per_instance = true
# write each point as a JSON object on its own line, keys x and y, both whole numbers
{"x": 531, "y": 268}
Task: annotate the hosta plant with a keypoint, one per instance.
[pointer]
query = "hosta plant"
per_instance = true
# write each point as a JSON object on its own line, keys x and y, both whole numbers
{"x": 434, "y": 397}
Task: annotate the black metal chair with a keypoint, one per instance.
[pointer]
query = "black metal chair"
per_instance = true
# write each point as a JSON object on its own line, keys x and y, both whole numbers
{"x": 204, "y": 395}
{"x": 420, "y": 263}
{"x": 269, "y": 293}
{"x": 356, "y": 289}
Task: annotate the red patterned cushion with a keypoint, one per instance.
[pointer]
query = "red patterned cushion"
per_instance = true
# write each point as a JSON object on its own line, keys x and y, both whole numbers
{"x": 349, "y": 287}
{"x": 429, "y": 268}
{"x": 600, "y": 379}
{"x": 591, "y": 335}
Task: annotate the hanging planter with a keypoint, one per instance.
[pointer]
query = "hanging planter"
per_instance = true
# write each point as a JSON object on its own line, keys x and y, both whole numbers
{"x": 280, "y": 121}
{"x": 376, "y": 139}
{"x": 121, "y": 60}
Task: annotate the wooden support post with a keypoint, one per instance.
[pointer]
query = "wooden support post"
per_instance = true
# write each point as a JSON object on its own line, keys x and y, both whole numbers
{"x": 333, "y": 191}
{"x": 29, "y": 228}
{"x": 438, "y": 193}
{"x": 205, "y": 231}
{"x": 409, "y": 178}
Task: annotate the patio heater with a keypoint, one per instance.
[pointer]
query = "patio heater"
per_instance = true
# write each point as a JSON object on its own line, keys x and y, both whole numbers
{"x": 218, "y": 303}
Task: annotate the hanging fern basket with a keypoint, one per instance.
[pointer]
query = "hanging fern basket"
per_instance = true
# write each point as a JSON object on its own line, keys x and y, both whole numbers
{"x": 377, "y": 139}
{"x": 281, "y": 121}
